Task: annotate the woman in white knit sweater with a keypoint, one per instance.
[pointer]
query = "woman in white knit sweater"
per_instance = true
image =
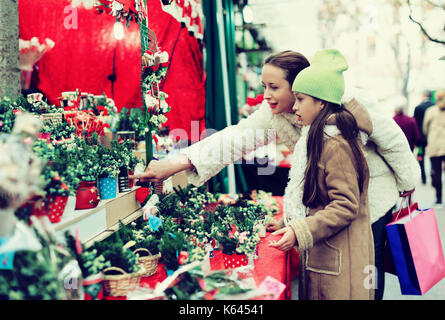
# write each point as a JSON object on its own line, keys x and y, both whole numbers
{"x": 393, "y": 168}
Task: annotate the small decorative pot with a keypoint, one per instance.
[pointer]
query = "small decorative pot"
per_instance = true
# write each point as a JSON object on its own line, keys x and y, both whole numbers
{"x": 87, "y": 195}
{"x": 92, "y": 287}
{"x": 56, "y": 205}
{"x": 123, "y": 181}
{"x": 107, "y": 187}
{"x": 232, "y": 261}
{"x": 130, "y": 181}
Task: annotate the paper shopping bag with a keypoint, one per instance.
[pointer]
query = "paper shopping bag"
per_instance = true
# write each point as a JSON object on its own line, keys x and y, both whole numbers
{"x": 406, "y": 206}
{"x": 417, "y": 251}
{"x": 403, "y": 211}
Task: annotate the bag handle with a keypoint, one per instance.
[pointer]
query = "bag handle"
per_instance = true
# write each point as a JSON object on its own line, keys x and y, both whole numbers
{"x": 405, "y": 199}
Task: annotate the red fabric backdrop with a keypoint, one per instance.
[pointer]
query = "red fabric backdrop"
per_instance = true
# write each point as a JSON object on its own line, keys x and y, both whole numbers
{"x": 83, "y": 57}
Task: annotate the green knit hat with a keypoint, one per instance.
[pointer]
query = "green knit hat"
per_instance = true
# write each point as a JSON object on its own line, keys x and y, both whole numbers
{"x": 323, "y": 79}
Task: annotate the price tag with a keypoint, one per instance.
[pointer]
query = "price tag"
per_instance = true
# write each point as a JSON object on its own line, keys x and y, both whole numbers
{"x": 272, "y": 288}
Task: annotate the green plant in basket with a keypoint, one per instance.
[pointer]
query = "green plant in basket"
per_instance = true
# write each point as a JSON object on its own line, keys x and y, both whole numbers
{"x": 89, "y": 261}
{"x": 118, "y": 256}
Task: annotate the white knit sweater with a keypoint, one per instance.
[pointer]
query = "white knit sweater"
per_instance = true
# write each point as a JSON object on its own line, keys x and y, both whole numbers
{"x": 392, "y": 165}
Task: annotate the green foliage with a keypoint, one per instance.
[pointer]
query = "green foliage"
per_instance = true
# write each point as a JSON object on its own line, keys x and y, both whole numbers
{"x": 116, "y": 255}
{"x": 132, "y": 120}
{"x": 53, "y": 183}
{"x": 85, "y": 157}
{"x": 38, "y": 106}
{"x": 32, "y": 278}
{"x": 7, "y": 116}
{"x": 109, "y": 162}
{"x": 60, "y": 130}
{"x": 60, "y": 164}
{"x": 90, "y": 263}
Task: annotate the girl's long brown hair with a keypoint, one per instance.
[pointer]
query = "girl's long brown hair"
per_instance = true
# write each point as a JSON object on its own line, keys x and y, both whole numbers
{"x": 348, "y": 127}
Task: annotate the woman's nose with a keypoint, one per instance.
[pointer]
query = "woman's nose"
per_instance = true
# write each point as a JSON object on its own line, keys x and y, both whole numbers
{"x": 266, "y": 94}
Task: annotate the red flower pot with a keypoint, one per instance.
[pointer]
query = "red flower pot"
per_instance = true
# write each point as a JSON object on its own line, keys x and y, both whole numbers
{"x": 87, "y": 195}
{"x": 232, "y": 261}
{"x": 56, "y": 206}
{"x": 51, "y": 206}
{"x": 92, "y": 287}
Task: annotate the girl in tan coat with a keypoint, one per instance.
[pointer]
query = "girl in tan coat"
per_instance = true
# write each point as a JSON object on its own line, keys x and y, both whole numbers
{"x": 326, "y": 201}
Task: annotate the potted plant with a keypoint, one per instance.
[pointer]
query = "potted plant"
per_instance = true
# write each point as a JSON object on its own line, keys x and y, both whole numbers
{"x": 107, "y": 172}
{"x": 87, "y": 162}
{"x": 56, "y": 193}
{"x": 236, "y": 235}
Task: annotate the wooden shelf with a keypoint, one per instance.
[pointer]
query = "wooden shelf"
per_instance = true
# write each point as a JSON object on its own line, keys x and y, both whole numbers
{"x": 94, "y": 222}
{"x": 98, "y": 223}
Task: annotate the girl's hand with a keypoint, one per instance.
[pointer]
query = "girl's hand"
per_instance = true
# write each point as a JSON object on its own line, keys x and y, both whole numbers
{"x": 287, "y": 242}
{"x": 406, "y": 193}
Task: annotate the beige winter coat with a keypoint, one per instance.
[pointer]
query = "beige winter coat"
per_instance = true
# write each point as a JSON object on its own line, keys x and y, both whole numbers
{"x": 434, "y": 129}
{"x": 335, "y": 240}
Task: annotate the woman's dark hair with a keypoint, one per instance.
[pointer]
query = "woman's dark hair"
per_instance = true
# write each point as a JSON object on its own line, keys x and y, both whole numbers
{"x": 290, "y": 61}
{"x": 348, "y": 127}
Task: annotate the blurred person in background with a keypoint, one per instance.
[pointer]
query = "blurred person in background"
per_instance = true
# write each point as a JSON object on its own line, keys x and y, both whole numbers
{"x": 434, "y": 129}
{"x": 408, "y": 125}
{"x": 419, "y": 114}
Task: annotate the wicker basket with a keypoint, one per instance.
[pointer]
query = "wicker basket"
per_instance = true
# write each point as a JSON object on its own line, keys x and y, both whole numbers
{"x": 120, "y": 284}
{"x": 149, "y": 263}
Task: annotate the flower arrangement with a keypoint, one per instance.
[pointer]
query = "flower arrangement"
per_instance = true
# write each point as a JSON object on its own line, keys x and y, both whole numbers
{"x": 123, "y": 10}
{"x": 35, "y": 103}
{"x": 86, "y": 123}
{"x": 155, "y": 67}
{"x": 31, "y": 51}
{"x": 157, "y": 107}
